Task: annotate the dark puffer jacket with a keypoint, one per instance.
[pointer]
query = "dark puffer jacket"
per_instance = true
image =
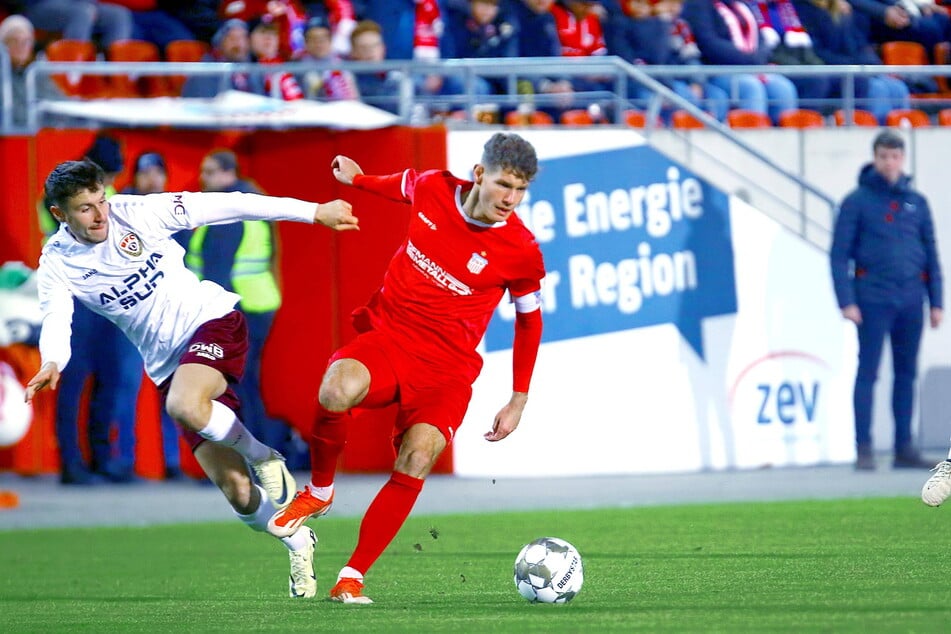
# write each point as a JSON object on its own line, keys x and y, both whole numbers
{"x": 888, "y": 232}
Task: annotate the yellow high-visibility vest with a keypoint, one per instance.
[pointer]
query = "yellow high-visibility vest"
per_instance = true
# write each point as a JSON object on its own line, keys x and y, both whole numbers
{"x": 251, "y": 274}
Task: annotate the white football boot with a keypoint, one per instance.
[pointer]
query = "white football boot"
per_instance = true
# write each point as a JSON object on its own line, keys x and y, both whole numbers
{"x": 938, "y": 487}
{"x": 303, "y": 580}
{"x": 274, "y": 477}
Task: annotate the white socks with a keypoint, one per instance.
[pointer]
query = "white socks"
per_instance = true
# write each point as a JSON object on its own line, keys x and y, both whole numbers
{"x": 350, "y": 573}
{"x": 257, "y": 521}
{"x": 321, "y": 493}
{"x": 225, "y": 429}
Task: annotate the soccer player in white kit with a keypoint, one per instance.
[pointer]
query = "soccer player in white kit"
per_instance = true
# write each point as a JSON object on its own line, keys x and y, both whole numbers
{"x": 119, "y": 259}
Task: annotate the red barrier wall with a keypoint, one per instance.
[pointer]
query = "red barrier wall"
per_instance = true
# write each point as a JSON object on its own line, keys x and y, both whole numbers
{"x": 324, "y": 275}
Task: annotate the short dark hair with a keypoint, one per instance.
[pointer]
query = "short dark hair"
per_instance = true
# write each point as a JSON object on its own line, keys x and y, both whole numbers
{"x": 888, "y": 139}
{"x": 509, "y": 151}
{"x": 70, "y": 178}
{"x": 226, "y": 160}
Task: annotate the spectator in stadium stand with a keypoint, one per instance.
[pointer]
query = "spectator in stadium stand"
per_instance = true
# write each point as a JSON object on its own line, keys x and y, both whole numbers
{"x": 377, "y": 88}
{"x": 480, "y": 29}
{"x": 415, "y": 29}
{"x": 921, "y": 21}
{"x": 231, "y": 43}
{"x": 840, "y": 36}
{"x": 341, "y": 15}
{"x": 265, "y": 49}
{"x": 199, "y": 16}
{"x": 727, "y": 35}
{"x": 581, "y": 33}
{"x": 324, "y": 83}
{"x": 538, "y": 37}
{"x": 17, "y": 35}
{"x": 150, "y": 22}
{"x": 642, "y": 32}
{"x": 289, "y": 16}
{"x": 81, "y": 19}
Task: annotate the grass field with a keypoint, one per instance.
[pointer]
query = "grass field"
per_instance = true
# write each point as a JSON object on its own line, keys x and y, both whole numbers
{"x": 832, "y": 566}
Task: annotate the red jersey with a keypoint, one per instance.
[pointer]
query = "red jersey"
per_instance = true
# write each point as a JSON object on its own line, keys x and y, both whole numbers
{"x": 579, "y": 38}
{"x": 446, "y": 279}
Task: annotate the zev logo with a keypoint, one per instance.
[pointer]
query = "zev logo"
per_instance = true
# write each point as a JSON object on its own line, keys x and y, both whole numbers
{"x": 783, "y": 387}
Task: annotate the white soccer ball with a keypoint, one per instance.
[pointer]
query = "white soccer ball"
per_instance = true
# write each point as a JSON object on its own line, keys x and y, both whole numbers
{"x": 15, "y": 414}
{"x": 548, "y": 570}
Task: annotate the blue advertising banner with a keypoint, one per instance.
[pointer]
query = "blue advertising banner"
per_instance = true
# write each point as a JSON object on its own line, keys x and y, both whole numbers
{"x": 630, "y": 239}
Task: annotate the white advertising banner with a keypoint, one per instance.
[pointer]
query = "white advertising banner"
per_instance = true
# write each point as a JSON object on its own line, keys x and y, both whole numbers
{"x": 230, "y": 108}
{"x": 684, "y": 330}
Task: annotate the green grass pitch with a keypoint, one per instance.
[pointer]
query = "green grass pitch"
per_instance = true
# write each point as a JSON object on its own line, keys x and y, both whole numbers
{"x": 874, "y": 565}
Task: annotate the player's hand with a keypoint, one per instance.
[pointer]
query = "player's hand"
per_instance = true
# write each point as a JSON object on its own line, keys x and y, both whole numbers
{"x": 48, "y": 376}
{"x": 508, "y": 417}
{"x": 852, "y": 313}
{"x": 937, "y": 315}
{"x": 338, "y": 215}
{"x": 345, "y": 169}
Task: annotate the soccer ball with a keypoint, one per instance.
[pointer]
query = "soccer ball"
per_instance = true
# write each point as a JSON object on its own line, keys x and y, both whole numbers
{"x": 548, "y": 570}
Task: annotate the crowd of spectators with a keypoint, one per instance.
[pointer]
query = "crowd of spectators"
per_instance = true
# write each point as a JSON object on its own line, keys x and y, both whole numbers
{"x": 688, "y": 33}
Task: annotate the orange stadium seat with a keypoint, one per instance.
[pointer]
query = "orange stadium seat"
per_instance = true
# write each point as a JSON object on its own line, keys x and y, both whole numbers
{"x": 183, "y": 51}
{"x": 576, "y": 117}
{"x": 904, "y": 54}
{"x": 942, "y": 56}
{"x": 536, "y": 117}
{"x": 915, "y": 118}
{"x": 859, "y": 118}
{"x": 134, "y": 85}
{"x": 75, "y": 84}
{"x": 683, "y": 120}
{"x": 747, "y": 119}
{"x": 944, "y": 117}
{"x": 801, "y": 119}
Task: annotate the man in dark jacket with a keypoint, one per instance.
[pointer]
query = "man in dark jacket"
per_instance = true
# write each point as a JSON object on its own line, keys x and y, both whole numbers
{"x": 885, "y": 230}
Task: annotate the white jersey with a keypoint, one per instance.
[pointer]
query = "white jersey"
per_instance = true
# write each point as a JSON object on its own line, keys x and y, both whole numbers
{"x": 137, "y": 277}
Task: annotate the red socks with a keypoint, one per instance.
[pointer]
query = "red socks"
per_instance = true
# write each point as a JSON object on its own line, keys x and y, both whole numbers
{"x": 383, "y": 519}
{"x": 328, "y": 436}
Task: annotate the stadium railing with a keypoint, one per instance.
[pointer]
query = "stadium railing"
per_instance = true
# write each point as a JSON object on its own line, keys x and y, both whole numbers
{"x": 407, "y": 103}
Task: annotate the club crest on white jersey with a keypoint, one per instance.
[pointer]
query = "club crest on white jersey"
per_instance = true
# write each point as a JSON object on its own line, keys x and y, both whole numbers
{"x": 131, "y": 245}
{"x": 476, "y": 263}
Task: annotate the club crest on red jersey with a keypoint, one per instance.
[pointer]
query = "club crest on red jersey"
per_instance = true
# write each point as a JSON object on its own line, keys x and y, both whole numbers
{"x": 476, "y": 263}
{"x": 131, "y": 244}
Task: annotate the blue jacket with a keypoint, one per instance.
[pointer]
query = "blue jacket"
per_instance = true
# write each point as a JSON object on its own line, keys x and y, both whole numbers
{"x": 844, "y": 40}
{"x": 713, "y": 37}
{"x": 887, "y": 232}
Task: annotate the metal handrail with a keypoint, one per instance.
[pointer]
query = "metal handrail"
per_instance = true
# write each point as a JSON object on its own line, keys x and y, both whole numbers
{"x": 612, "y": 68}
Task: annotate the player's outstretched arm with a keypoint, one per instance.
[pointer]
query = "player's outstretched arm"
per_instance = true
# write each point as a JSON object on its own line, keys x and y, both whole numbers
{"x": 508, "y": 417}
{"x": 345, "y": 169}
{"x": 338, "y": 215}
{"x": 48, "y": 376}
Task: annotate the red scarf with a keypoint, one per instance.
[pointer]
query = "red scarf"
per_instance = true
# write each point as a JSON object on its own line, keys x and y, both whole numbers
{"x": 741, "y": 23}
{"x": 778, "y": 21}
{"x": 683, "y": 40}
{"x": 427, "y": 31}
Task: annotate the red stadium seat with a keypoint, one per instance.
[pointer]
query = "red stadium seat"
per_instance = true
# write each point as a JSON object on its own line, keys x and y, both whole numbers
{"x": 747, "y": 119}
{"x": 801, "y": 119}
{"x": 915, "y": 118}
{"x": 133, "y": 85}
{"x": 859, "y": 118}
{"x": 183, "y": 51}
{"x": 683, "y": 120}
{"x": 74, "y": 84}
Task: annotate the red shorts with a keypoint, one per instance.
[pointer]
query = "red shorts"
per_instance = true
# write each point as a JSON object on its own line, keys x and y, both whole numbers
{"x": 221, "y": 344}
{"x": 396, "y": 377}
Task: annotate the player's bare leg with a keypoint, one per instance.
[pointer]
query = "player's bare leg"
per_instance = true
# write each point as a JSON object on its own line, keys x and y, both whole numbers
{"x": 421, "y": 446}
{"x": 190, "y": 402}
{"x": 229, "y": 472}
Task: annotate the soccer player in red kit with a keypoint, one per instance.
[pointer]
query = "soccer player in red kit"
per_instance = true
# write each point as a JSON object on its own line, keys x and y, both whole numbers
{"x": 464, "y": 249}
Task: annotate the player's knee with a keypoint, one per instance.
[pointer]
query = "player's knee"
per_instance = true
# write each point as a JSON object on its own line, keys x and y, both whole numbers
{"x": 339, "y": 395}
{"x": 187, "y": 412}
